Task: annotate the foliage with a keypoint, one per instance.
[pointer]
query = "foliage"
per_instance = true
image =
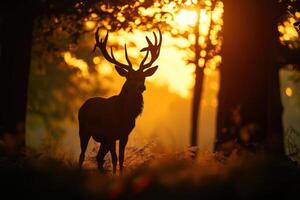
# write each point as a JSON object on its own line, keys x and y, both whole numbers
{"x": 81, "y": 16}
{"x": 56, "y": 90}
{"x": 84, "y": 16}
{"x": 288, "y": 27}
{"x": 288, "y": 32}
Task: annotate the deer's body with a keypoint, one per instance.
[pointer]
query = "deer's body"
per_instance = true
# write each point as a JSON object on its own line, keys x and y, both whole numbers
{"x": 111, "y": 119}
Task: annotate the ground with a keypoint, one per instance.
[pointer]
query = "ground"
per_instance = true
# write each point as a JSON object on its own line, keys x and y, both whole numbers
{"x": 178, "y": 176}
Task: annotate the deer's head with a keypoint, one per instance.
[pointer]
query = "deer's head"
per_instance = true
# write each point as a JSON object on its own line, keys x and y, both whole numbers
{"x": 135, "y": 79}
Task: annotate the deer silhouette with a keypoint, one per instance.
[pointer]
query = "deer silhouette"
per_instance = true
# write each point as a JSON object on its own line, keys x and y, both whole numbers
{"x": 110, "y": 119}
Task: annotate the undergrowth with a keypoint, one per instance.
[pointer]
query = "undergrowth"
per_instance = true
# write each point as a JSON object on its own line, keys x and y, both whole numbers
{"x": 178, "y": 175}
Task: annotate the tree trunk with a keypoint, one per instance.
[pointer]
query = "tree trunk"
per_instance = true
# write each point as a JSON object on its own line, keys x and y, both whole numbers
{"x": 249, "y": 73}
{"x": 199, "y": 75}
{"x": 16, "y": 39}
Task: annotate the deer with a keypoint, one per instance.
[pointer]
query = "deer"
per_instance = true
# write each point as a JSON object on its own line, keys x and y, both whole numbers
{"x": 112, "y": 119}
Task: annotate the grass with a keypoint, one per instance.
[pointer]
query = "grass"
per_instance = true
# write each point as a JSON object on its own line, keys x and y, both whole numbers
{"x": 150, "y": 176}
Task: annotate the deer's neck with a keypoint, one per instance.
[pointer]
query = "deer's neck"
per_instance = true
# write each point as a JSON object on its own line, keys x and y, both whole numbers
{"x": 131, "y": 103}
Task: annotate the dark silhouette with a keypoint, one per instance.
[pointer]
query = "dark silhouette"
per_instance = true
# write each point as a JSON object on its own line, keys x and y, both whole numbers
{"x": 249, "y": 71}
{"x": 14, "y": 62}
{"x": 111, "y": 119}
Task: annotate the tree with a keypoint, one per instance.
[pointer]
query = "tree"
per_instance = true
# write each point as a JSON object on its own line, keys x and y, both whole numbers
{"x": 211, "y": 49}
{"x": 15, "y": 61}
{"x": 203, "y": 51}
{"x": 57, "y": 86}
{"x": 250, "y": 92}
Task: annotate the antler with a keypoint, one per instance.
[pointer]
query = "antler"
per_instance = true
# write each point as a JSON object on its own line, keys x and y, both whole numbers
{"x": 111, "y": 58}
{"x": 154, "y": 50}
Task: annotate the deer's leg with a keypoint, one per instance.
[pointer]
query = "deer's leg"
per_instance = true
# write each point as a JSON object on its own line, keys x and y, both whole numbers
{"x": 114, "y": 159}
{"x": 84, "y": 140}
{"x": 123, "y": 142}
{"x": 101, "y": 154}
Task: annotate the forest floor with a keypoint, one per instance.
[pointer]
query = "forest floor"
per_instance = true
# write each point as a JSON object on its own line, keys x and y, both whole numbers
{"x": 173, "y": 176}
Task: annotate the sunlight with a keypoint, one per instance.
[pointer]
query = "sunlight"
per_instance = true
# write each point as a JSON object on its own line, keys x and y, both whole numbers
{"x": 89, "y": 25}
{"x": 96, "y": 60}
{"x": 173, "y": 70}
{"x": 104, "y": 69}
{"x": 186, "y": 18}
{"x": 288, "y": 33}
{"x": 205, "y": 21}
{"x": 288, "y": 91}
{"x": 78, "y": 63}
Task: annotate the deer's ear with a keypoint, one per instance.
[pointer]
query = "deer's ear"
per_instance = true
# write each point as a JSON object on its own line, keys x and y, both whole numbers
{"x": 121, "y": 71}
{"x": 150, "y": 71}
